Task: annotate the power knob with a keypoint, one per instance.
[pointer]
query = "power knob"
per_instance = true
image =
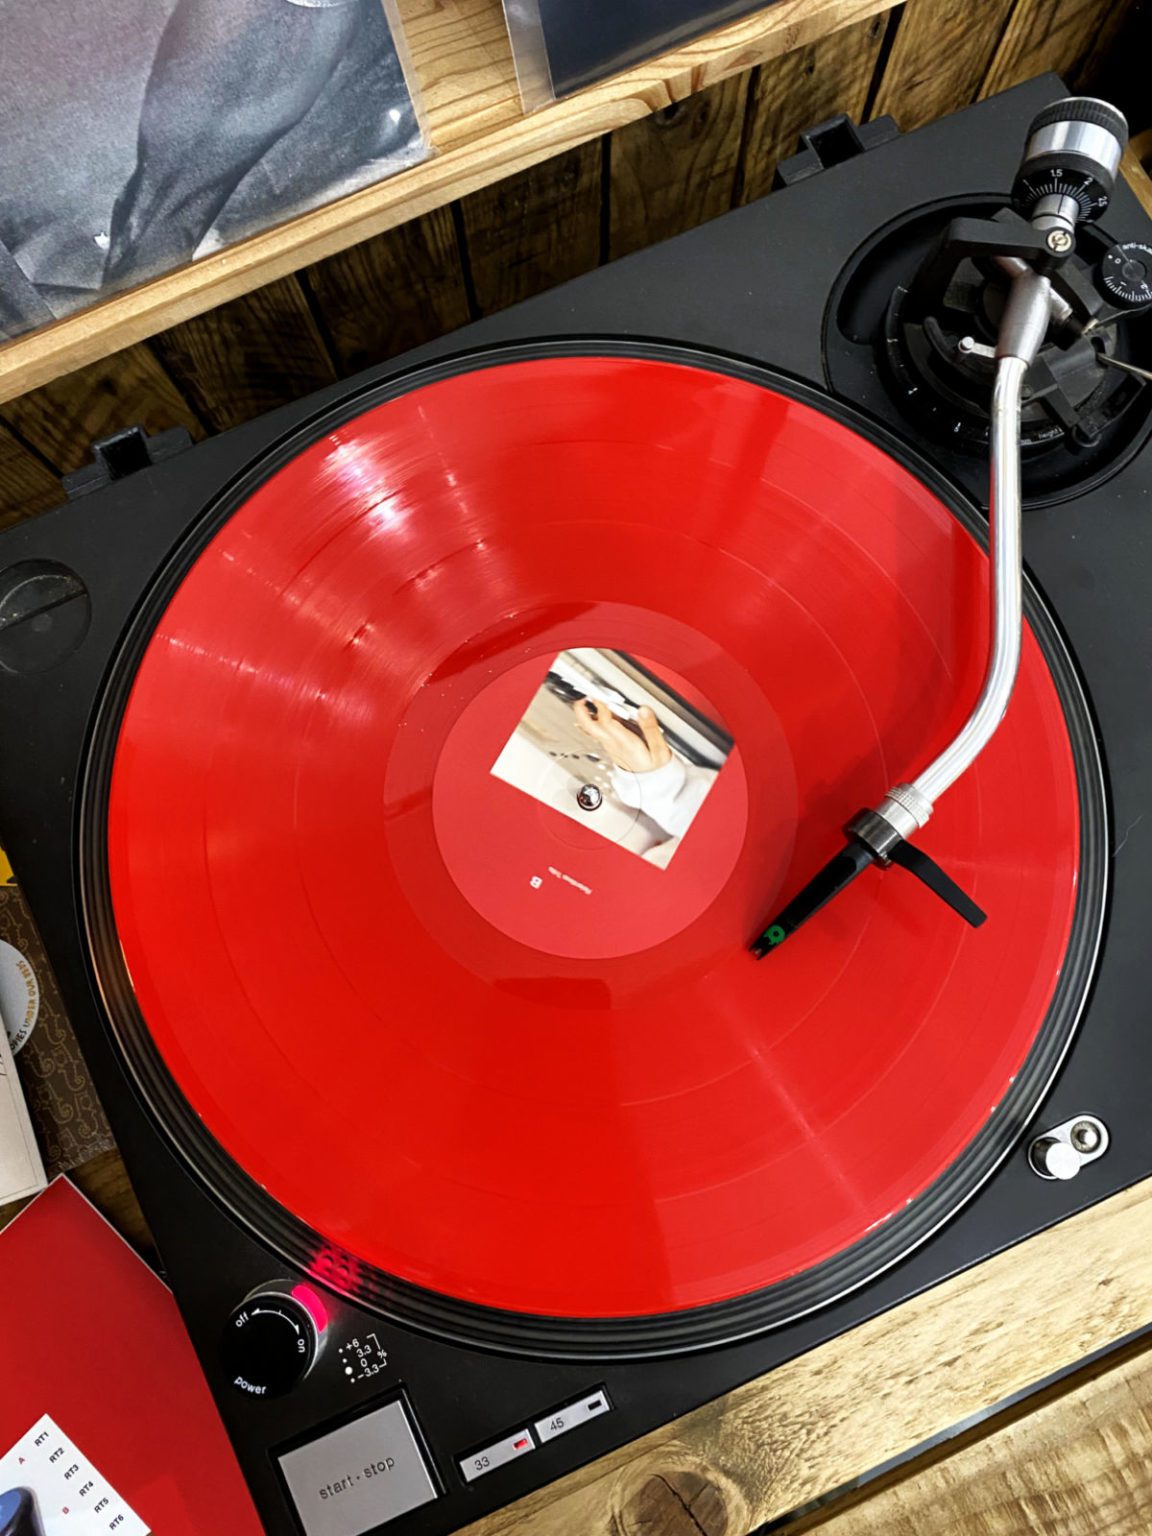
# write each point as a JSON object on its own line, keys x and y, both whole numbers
{"x": 269, "y": 1345}
{"x": 1125, "y": 275}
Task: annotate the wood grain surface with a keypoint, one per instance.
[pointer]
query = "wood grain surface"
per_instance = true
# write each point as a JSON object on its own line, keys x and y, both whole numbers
{"x": 677, "y": 168}
{"x": 940, "y": 58}
{"x": 1061, "y": 35}
{"x": 63, "y": 419}
{"x": 823, "y": 1420}
{"x": 27, "y": 484}
{"x": 248, "y": 356}
{"x": 804, "y": 88}
{"x": 1072, "y": 1462}
{"x": 534, "y": 229}
{"x": 105, "y": 1181}
{"x": 1136, "y": 175}
{"x": 395, "y": 291}
{"x": 464, "y": 66}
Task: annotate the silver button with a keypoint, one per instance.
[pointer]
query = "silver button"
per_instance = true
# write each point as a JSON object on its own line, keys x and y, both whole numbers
{"x": 519, "y": 1443}
{"x": 572, "y": 1415}
{"x": 1061, "y": 1152}
{"x": 357, "y": 1477}
{"x": 1057, "y": 1159}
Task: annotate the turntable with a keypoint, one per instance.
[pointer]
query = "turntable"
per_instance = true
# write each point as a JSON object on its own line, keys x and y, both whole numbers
{"x": 582, "y": 868}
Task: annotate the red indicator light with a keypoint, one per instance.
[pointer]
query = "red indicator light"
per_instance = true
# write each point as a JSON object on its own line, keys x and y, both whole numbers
{"x": 312, "y": 1304}
{"x": 521, "y": 1445}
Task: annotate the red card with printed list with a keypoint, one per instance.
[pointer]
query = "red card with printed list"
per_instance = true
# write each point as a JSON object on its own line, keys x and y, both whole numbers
{"x": 90, "y": 1338}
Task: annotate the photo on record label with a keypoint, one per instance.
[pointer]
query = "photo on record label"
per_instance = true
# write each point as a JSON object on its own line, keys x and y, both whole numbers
{"x": 140, "y": 134}
{"x": 608, "y": 743}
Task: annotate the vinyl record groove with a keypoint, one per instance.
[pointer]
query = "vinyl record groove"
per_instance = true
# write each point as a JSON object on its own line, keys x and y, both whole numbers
{"x": 443, "y": 990}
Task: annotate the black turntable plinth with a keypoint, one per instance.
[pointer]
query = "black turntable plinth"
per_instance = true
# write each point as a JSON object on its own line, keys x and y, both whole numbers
{"x": 401, "y": 781}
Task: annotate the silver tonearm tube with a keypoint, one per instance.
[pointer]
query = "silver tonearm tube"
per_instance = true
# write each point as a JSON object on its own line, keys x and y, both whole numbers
{"x": 1090, "y": 136}
{"x": 907, "y": 807}
{"x": 1068, "y": 170}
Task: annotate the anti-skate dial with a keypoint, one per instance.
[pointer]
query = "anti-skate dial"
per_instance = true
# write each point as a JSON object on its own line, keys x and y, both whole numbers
{"x": 1125, "y": 275}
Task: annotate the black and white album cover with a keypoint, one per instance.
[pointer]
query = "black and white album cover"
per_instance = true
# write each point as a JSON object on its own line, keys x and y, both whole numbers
{"x": 136, "y": 135}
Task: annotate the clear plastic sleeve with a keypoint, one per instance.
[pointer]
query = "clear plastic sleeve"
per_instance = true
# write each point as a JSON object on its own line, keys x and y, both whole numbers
{"x": 140, "y": 135}
{"x": 560, "y": 46}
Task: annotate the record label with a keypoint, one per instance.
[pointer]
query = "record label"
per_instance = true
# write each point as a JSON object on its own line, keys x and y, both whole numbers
{"x": 599, "y": 824}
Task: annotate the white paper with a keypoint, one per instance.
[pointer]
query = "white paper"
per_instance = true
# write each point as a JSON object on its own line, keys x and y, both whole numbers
{"x": 69, "y": 1495}
{"x": 21, "y": 1171}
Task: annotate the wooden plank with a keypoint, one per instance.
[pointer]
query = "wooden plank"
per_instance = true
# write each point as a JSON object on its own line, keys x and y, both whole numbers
{"x": 64, "y": 418}
{"x": 535, "y": 229}
{"x": 832, "y": 1415}
{"x": 1077, "y": 1465}
{"x": 249, "y": 356}
{"x": 105, "y": 1182}
{"x": 27, "y": 485}
{"x": 1050, "y": 34}
{"x": 401, "y": 289}
{"x": 1113, "y": 65}
{"x": 939, "y": 58}
{"x": 677, "y": 168}
{"x": 1133, "y": 170}
{"x": 804, "y": 88}
{"x": 464, "y": 65}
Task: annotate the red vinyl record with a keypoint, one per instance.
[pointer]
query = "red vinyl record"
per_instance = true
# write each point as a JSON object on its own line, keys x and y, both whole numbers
{"x": 464, "y": 764}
